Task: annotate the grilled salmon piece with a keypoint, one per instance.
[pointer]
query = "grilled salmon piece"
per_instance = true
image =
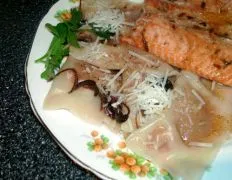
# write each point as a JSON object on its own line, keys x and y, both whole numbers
{"x": 190, "y": 49}
{"x": 213, "y": 15}
{"x": 215, "y": 6}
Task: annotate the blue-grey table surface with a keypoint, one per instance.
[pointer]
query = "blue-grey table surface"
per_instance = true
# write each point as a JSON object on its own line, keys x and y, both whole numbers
{"x": 26, "y": 149}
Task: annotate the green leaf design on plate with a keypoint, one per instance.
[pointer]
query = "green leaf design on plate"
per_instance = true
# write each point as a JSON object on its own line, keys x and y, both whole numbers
{"x": 90, "y": 146}
{"x": 168, "y": 177}
{"x": 115, "y": 167}
{"x": 150, "y": 174}
{"x": 139, "y": 160}
{"x": 118, "y": 152}
{"x": 132, "y": 175}
{"x": 111, "y": 161}
{"x": 152, "y": 171}
{"x": 105, "y": 139}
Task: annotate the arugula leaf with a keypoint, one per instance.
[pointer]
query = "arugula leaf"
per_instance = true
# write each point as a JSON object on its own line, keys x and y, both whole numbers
{"x": 52, "y": 29}
{"x": 76, "y": 19}
{"x": 101, "y": 33}
{"x": 64, "y": 36}
{"x": 53, "y": 58}
{"x": 72, "y": 39}
{"x": 62, "y": 30}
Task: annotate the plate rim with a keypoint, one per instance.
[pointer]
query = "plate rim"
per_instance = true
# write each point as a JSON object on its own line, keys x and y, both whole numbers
{"x": 76, "y": 160}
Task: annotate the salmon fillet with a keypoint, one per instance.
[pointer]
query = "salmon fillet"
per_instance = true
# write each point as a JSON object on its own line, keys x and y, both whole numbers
{"x": 190, "y": 49}
{"x": 213, "y": 15}
{"x": 214, "y": 6}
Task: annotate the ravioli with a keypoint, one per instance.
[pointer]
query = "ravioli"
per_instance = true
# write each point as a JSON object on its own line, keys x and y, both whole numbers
{"x": 187, "y": 139}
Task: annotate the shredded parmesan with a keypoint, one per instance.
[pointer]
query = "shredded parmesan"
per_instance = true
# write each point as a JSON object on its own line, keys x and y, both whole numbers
{"x": 128, "y": 81}
{"x": 101, "y": 88}
{"x": 165, "y": 79}
{"x": 201, "y": 144}
{"x": 170, "y": 99}
{"x": 179, "y": 91}
{"x": 147, "y": 60}
{"x": 87, "y": 70}
{"x": 116, "y": 76}
{"x": 202, "y": 102}
{"x": 171, "y": 156}
{"x": 102, "y": 4}
{"x": 119, "y": 101}
{"x": 140, "y": 116}
{"x": 128, "y": 24}
{"x": 117, "y": 36}
{"x": 108, "y": 20}
{"x": 103, "y": 70}
{"x": 213, "y": 85}
{"x": 151, "y": 96}
{"x": 130, "y": 125}
{"x": 89, "y": 51}
{"x": 190, "y": 119}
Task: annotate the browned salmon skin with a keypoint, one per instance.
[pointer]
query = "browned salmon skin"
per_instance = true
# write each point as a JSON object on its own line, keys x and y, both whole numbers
{"x": 214, "y": 6}
{"x": 190, "y": 49}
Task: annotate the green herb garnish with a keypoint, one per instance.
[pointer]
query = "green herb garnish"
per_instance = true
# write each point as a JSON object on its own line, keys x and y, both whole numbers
{"x": 64, "y": 36}
{"x": 105, "y": 34}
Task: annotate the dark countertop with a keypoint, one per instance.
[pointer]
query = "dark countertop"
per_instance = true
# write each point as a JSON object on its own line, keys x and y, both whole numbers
{"x": 26, "y": 149}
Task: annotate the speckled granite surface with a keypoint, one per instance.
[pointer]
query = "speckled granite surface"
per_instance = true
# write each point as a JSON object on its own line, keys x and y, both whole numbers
{"x": 26, "y": 149}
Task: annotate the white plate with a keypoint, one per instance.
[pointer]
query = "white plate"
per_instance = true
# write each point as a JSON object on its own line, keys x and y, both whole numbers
{"x": 70, "y": 133}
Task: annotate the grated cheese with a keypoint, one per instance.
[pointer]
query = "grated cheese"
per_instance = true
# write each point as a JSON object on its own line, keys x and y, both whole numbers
{"x": 87, "y": 70}
{"x": 147, "y": 60}
{"x": 102, "y": 70}
{"x": 108, "y": 20}
{"x": 213, "y": 85}
{"x": 117, "y": 75}
{"x": 201, "y": 144}
{"x": 128, "y": 81}
{"x": 128, "y": 24}
{"x": 119, "y": 101}
{"x": 102, "y": 4}
{"x": 170, "y": 156}
{"x": 89, "y": 51}
{"x": 140, "y": 116}
{"x": 130, "y": 125}
{"x": 96, "y": 43}
{"x": 117, "y": 36}
{"x": 179, "y": 91}
{"x": 202, "y": 102}
{"x": 101, "y": 89}
{"x": 190, "y": 119}
{"x": 165, "y": 79}
{"x": 151, "y": 96}
{"x": 170, "y": 99}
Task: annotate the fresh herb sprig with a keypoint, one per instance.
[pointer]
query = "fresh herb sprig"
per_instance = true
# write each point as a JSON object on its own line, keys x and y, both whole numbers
{"x": 64, "y": 36}
{"x": 105, "y": 34}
